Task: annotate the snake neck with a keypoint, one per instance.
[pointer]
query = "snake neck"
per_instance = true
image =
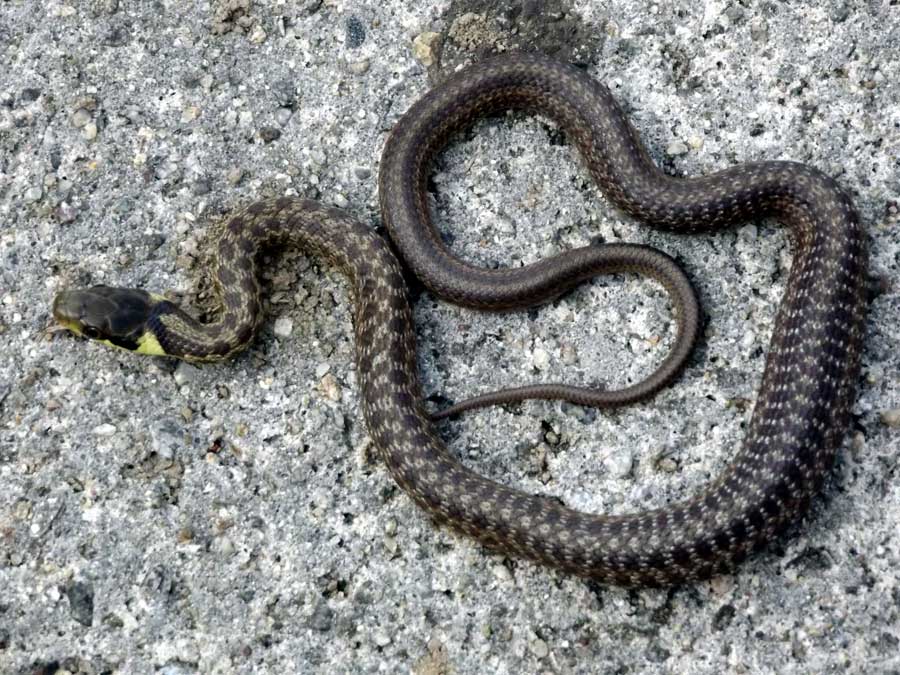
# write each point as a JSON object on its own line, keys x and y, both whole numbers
{"x": 316, "y": 229}
{"x": 174, "y": 332}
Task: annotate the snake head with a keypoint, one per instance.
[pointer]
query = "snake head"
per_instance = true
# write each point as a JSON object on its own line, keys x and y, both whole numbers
{"x": 113, "y": 316}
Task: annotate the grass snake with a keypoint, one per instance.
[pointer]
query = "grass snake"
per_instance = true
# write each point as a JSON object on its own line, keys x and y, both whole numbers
{"x": 802, "y": 407}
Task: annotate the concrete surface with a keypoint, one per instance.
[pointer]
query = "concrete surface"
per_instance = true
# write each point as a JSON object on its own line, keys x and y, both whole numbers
{"x": 172, "y": 519}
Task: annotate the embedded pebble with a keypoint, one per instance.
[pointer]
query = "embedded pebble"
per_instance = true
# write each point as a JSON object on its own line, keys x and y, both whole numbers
{"x": 190, "y": 113}
{"x": 539, "y": 648}
{"x": 234, "y": 176}
{"x": 891, "y": 418}
{"x": 283, "y": 116}
{"x": 425, "y": 47}
{"x": 540, "y": 358}
{"x": 105, "y": 429}
{"x": 321, "y": 618}
{"x": 268, "y": 134}
{"x": 258, "y": 35}
{"x": 329, "y": 386}
{"x": 80, "y": 118}
{"x": 759, "y": 30}
{"x": 355, "y": 32}
{"x": 81, "y": 602}
{"x": 167, "y": 438}
{"x": 284, "y": 326}
{"x": 359, "y": 67}
{"x": 619, "y": 462}
{"x": 185, "y": 373}
{"x": 568, "y": 354}
{"x": 66, "y": 213}
{"x": 675, "y": 148}
{"x": 29, "y": 95}
{"x": 501, "y": 573}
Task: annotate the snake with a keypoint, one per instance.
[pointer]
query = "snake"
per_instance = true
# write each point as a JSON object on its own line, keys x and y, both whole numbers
{"x": 804, "y": 399}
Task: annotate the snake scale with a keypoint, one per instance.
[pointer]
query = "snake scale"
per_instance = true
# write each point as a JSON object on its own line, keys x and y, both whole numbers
{"x": 802, "y": 406}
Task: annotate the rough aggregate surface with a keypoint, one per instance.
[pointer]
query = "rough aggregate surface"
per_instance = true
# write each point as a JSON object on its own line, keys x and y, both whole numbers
{"x": 162, "y": 517}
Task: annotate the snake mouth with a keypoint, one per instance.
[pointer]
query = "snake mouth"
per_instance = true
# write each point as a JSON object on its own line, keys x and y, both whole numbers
{"x": 67, "y": 310}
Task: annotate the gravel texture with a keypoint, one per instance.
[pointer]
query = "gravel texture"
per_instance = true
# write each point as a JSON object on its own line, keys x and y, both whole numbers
{"x": 159, "y": 517}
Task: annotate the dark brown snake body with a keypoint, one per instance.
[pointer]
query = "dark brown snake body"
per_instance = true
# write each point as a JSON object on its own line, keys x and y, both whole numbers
{"x": 807, "y": 389}
{"x": 808, "y": 386}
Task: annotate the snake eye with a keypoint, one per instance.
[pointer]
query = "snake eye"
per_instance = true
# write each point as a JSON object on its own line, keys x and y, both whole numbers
{"x": 90, "y": 332}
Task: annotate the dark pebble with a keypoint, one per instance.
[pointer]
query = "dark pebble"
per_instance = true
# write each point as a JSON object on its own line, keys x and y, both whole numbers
{"x": 356, "y": 33}
{"x": 285, "y": 92}
{"x": 723, "y": 617}
{"x": 81, "y": 602}
{"x": 29, "y": 95}
{"x": 269, "y": 134}
{"x": 322, "y": 618}
{"x": 840, "y": 13}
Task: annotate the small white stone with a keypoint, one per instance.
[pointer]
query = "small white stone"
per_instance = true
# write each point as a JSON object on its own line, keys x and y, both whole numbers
{"x": 539, "y": 648}
{"x": 106, "y": 429}
{"x": 258, "y": 36}
{"x": 359, "y": 67}
{"x": 80, "y": 118}
{"x": 501, "y": 573}
{"x": 89, "y": 132}
{"x": 340, "y": 201}
{"x": 619, "y": 463}
{"x": 283, "y": 116}
{"x": 748, "y": 233}
{"x": 189, "y": 114}
{"x": 540, "y": 358}
{"x": 382, "y": 639}
{"x": 185, "y": 373}
{"x": 284, "y": 326}
{"x": 676, "y": 148}
{"x": 226, "y": 546}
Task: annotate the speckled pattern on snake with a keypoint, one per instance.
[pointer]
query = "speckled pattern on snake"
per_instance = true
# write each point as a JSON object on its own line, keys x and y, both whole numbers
{"x": 802, "y": 407}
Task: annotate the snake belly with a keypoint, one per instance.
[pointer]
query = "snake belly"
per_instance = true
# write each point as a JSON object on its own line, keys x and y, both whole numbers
{"x": 808, "y": 385}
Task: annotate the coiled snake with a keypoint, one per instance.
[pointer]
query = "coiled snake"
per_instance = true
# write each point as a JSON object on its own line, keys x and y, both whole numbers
{"x": 807, "y": 388}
